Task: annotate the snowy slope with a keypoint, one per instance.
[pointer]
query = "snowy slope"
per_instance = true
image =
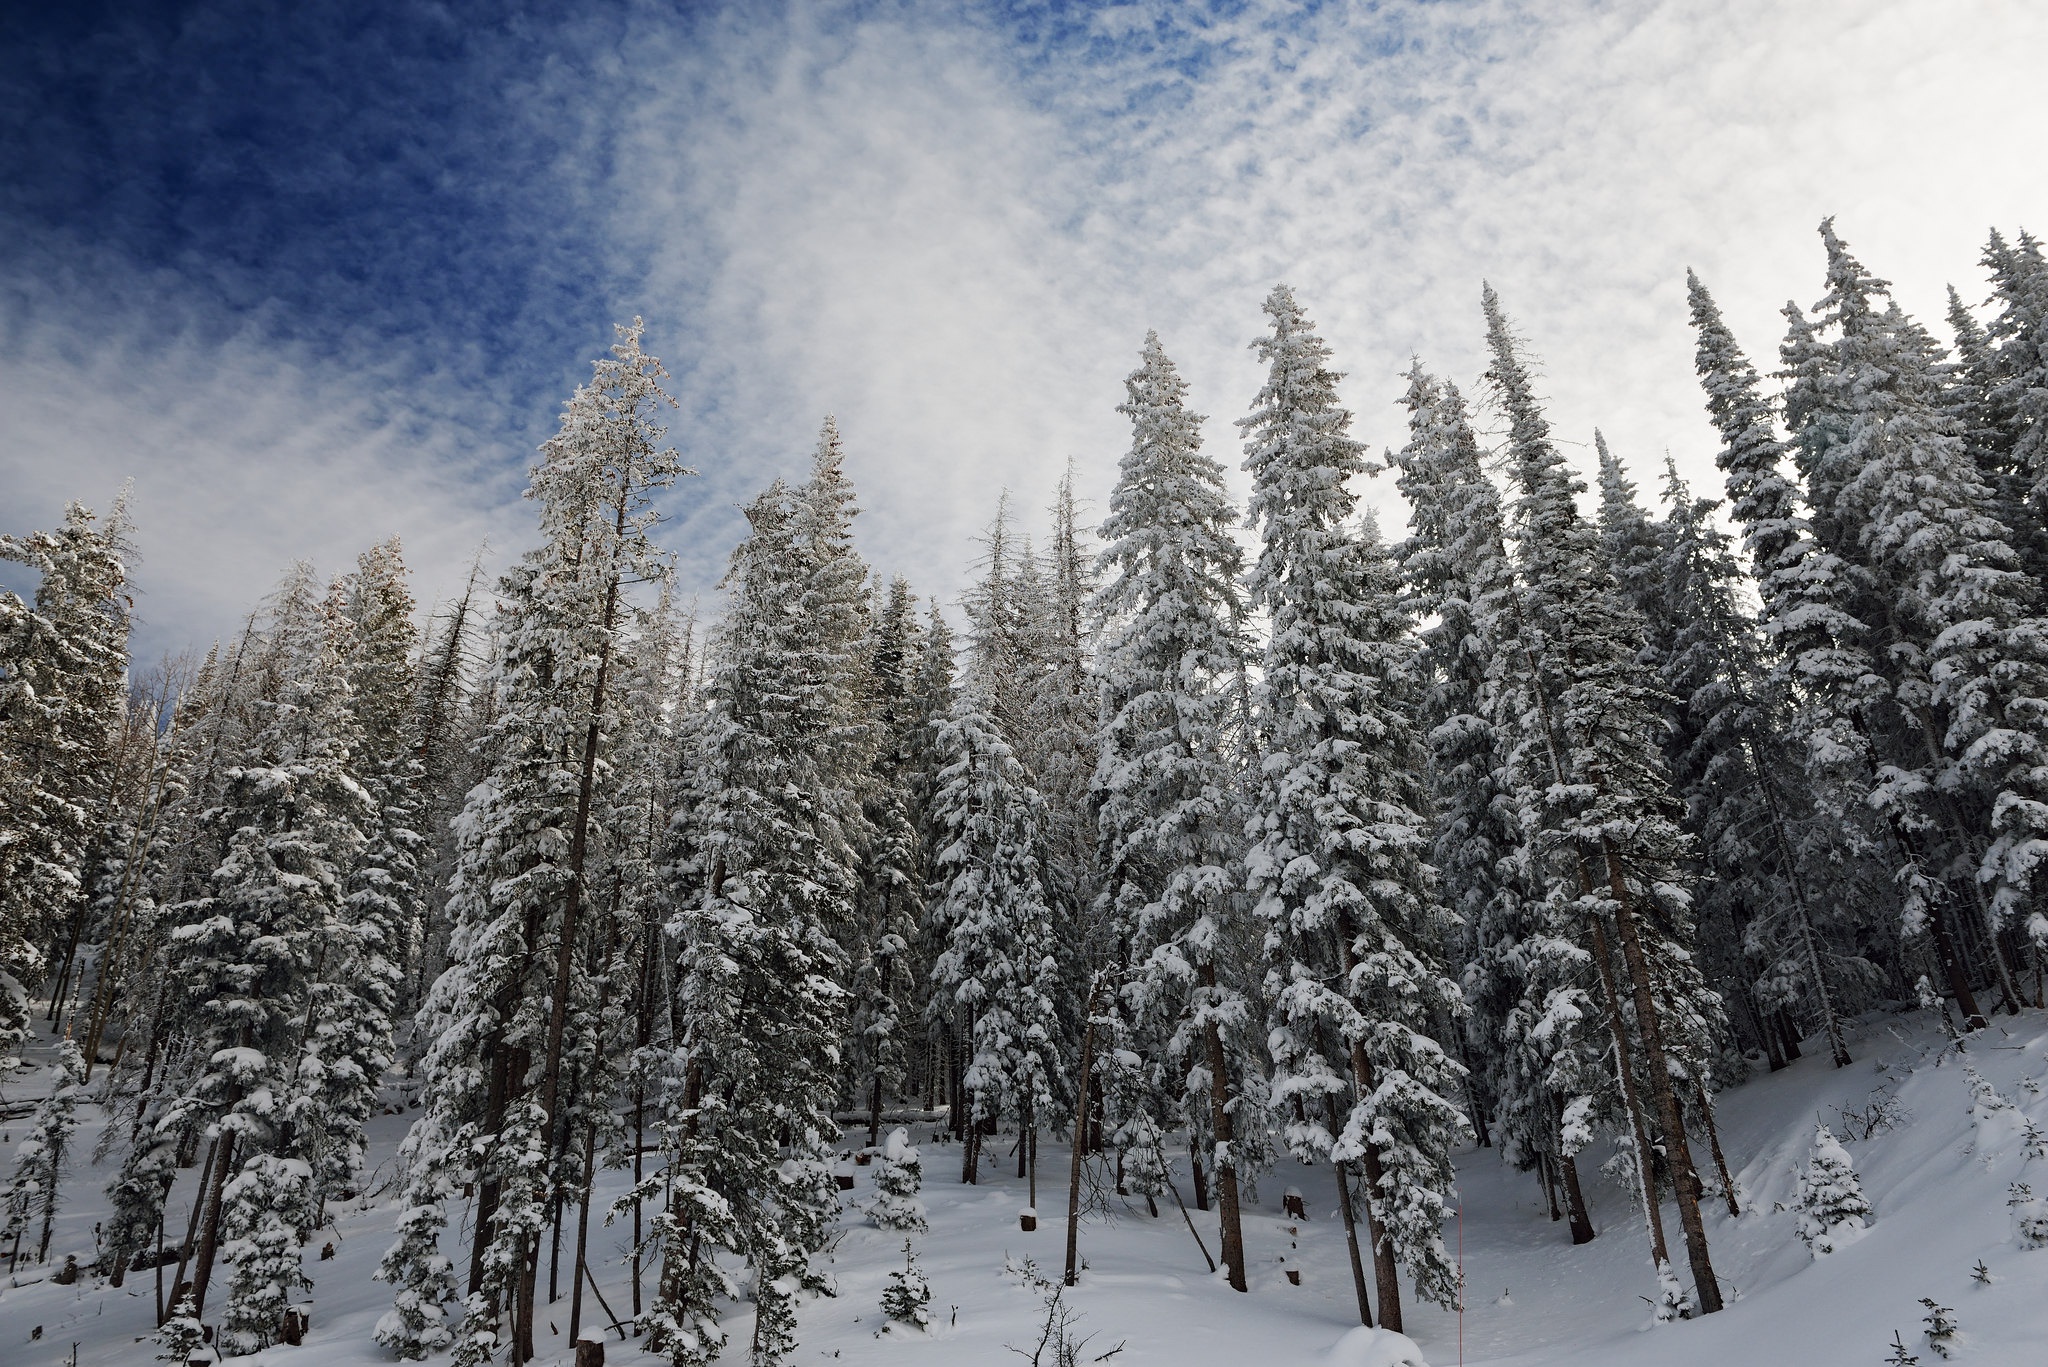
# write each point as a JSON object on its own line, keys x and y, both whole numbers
{"x": 1938, "y": 1181}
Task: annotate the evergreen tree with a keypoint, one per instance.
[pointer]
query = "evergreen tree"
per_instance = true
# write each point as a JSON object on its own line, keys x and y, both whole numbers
{"x": 248, "y": 950}
{"x": 523, "y": 919}
{"x": 62, "y": 666}
{"x": 1168, "y": 780}
{"x": 40, "y": 1158}
{"x": 989, "y": 906}
{"x": 1521, "y": 980}
{"x": 1338, "y": 839}
{"x": 1961, "y": 645}
{"x": 1830, "y": 1202}
{"x": 1607, "y": 815}
{"x": 748, "y": 1124}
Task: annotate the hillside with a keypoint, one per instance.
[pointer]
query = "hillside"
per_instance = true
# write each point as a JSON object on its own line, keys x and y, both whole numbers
{"x": 1938, "y": 1179}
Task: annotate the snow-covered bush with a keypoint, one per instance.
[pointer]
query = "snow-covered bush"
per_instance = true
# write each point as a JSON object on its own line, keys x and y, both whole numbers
{"x": 1830, "y": 1204}
{"x": 897, "y": 1179}
{"x": 180, "y": 1339}
{"x": 905, "y": 1297}
{"x": 2029, "y": 1216}
{"x": 1674, "y": 1302}
{"x": 1941, "y": 1327}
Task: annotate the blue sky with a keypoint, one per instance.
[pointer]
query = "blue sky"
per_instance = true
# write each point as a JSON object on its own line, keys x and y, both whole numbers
{"x": 316, "y": 274}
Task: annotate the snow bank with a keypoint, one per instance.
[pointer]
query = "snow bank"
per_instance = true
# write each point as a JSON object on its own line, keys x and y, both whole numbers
{"x": 1364, "y": 1347}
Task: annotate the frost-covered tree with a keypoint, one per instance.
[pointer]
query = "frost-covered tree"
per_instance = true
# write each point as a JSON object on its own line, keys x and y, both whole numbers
{"x": 248, "y": 951}
{"x": 1168, "y": 780}
{"x": 898, "y": 1177}
{"x": 63, "y": 659}
{"x": 1521, "y": 980}
{"x": 891, "y": 861}
{"x": 40, "y": 1158}
{"x": 1830, "y": 1204}
{"x": 266, "y": 1212}
{"x": 989, "y": 911}
{"x": 1956, "y": 627}
{"x": 1605, "y": 822}
{"x": 499, "y": 1016}
{"x": 1339, "y": 842}
{"x": 759, "y": 1011}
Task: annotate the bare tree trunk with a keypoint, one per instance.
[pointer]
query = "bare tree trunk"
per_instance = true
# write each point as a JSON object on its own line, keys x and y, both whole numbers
{"x": 1624, "y": 1067}
{"x": 1350, "y": 1221}
{"x": 1575, "y": 1199}
{"x": 1232, "y": 1239}
{"x": 582, "y": 1234}
{"x": 1714, "y": 1143}
{"x": 209, "y": 1224}
{"x": 1685, "y": 1180}
{"x": 1072, "y": 1274}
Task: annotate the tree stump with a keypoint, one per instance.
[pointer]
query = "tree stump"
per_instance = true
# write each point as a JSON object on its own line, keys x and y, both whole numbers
{"x": 1292, "y": 1204}
{"x": 845, "y": 1181}
{"x": 1294, "y": 1276}
{"x": 296, "y": 1323}
{"x": 590, "y": 1353}
{"x": 327, "y": 1251}
{"x": 1028, "y": 1221}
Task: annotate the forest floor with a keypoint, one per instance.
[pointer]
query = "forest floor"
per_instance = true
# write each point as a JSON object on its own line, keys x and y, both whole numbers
{"x": 1938, "y": 1178}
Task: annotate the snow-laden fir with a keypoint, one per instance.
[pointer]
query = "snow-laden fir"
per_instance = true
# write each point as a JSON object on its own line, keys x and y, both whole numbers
{"x": 1255, "y": 934}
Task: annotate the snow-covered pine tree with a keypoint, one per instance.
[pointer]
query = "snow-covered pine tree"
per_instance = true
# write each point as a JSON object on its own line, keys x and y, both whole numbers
{"x": 1830, "y": 1204}
{"x": 247, "y": 952}
{"x": 63, "y": 661}
{"x": 1607, "y": 812}
{"x": 40, "y": 1158}
{"x": 498, "y": 1017}
{"x": 891, "y": 861}
{"x": 1747, "y": 800}
{"x": 1522, "y": 982}
{"x": 1337, "y": 859}
{"x": 1963, "y": 648}
{"x": 908, "y": 1293}
{"x": 266, "y": 1211}
{"x": 2016, "y": 396}
{"x": 1169, "y": 776}
{"x": 748, "y": 1122}
{"x": 356, "y": 961}
{"x": 898, "y": 1177}
{"x": 997, "y": 964}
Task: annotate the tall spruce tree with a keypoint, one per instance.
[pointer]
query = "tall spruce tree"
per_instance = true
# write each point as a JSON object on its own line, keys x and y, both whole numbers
{"x": 1337, "y": 861}
{"x": 499, "y": 1014}
{"x": 63, "y": 660}
{"x": 1524, "y": 983}
{"x": 1607, "y": 814}
{"x": 1168, "y": 780}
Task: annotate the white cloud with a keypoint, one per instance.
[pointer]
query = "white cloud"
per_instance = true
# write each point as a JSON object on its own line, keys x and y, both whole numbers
{"x": 245, "y": 456}
{"x": 954, "y": 236}
{"x": 897, "y": 218}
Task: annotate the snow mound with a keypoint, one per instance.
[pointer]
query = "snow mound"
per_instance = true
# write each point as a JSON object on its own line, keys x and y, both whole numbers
{"x": 1364, "y": 1347}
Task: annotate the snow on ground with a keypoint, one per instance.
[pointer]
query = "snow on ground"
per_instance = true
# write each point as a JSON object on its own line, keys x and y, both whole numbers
{"x": 1938, "y": 1179}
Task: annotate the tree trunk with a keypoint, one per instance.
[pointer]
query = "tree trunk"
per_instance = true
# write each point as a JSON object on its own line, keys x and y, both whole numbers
{"x": 1232, "y": 1238}
{"x": 1714, "y": 1143}
{"x": 1072, "y": 1274}
{"x": 1575, "y": 1199}
{"x": 1624, "y": 1067}
{"x": 209, "y": 1225}
{"x": 1350, "y": 1221}
{"x": 1685, "y": 1180}
{"x": 582, "y": 1235}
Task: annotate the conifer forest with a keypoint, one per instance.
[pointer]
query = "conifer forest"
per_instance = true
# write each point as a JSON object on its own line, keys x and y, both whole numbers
{"x": 1224, "y": 918}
